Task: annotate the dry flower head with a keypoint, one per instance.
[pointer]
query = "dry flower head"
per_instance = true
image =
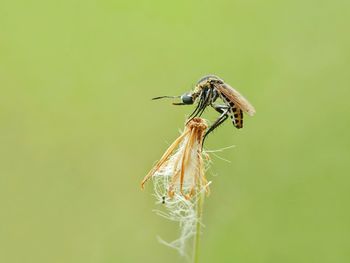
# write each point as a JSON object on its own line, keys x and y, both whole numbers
{"x": 183, "y": 162}
{"x": 179, "y": 182}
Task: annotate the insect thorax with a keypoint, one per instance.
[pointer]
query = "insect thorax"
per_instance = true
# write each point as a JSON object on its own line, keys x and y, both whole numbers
{"x": 207, "y": 82}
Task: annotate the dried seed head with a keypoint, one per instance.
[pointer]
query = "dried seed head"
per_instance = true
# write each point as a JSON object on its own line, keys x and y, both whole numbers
{"x": 179, "y": 182}
{"x": 182, "y": 162}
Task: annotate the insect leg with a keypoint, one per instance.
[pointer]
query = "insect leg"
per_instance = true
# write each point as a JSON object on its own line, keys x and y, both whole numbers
{"x": 206, "y": 101}
{"x": 223, "y": 109}
{"x": 198, "y": 108}
{"x": 220, "y": 108}
{"x": 179, "y": 103}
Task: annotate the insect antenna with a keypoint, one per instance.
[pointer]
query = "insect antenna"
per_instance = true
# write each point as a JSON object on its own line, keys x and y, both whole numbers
{"x": 166, "y": 97}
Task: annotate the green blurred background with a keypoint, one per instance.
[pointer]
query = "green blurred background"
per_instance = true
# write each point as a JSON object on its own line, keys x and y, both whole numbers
{"x": 78, "y": 130}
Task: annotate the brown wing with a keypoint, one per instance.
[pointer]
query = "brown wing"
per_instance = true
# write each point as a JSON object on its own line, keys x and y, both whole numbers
{"x": 233, "y": 95}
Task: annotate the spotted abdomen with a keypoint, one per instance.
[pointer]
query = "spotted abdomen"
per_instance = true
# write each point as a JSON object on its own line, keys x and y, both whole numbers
{"x": 236, "y": 115}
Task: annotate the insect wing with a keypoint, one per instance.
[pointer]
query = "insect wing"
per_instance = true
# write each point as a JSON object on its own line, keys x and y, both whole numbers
{"x": 232, "y": 95}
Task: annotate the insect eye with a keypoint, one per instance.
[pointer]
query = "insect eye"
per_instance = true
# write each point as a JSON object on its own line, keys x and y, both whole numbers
{"x": 187, "y": 99}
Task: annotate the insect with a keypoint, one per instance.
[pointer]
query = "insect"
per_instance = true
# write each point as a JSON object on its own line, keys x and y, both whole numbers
{"x": 206, "y": 92}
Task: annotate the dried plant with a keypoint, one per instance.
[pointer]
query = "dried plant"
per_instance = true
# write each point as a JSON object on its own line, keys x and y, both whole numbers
{"x": 179, "y": 183}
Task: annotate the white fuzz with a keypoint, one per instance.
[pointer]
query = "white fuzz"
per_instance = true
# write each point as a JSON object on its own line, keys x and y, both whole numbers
{"x": 178, "y": 208}
{"x": 179, "y": 183}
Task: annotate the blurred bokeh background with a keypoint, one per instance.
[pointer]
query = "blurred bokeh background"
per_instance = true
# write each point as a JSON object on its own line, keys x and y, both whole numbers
{"x": 78, "y": 130}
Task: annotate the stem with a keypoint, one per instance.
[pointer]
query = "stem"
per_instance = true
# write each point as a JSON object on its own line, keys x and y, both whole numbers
{"x": 198, "y": 228}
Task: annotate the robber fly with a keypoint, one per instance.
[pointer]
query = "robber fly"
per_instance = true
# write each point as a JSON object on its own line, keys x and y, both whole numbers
{"x": 207, "y": 90}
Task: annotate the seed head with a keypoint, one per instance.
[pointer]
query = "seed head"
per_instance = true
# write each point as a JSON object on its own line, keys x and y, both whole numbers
{"x": 182, "y": 163}
{"x": 179, "y": 181}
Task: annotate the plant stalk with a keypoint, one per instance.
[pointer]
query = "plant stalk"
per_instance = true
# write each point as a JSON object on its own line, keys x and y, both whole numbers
{"x": 198, "y": 228}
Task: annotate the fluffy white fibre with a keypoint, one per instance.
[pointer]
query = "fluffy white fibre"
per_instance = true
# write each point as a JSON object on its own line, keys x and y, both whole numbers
{"x": 177, "y": 207}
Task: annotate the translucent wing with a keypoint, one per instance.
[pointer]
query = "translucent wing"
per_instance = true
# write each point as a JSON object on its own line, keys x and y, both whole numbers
{"x": 232, "y": 95}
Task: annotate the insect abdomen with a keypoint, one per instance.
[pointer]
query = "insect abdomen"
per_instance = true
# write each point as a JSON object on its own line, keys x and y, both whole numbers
{"x": 236, "y": 116}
